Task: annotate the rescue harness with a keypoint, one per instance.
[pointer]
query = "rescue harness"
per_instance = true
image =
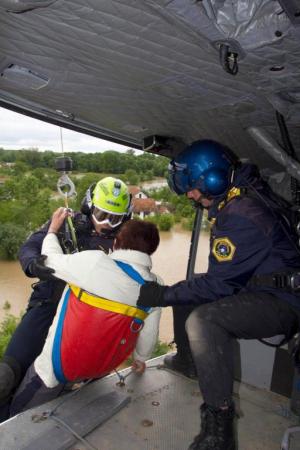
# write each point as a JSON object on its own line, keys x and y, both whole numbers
{"x": 76, "y": 351}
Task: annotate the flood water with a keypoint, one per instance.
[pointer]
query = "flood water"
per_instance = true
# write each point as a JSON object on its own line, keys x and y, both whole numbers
{"x": 154, "y": 184}
{"x": 169, "y": 262}
{"x": 15, "y": 287}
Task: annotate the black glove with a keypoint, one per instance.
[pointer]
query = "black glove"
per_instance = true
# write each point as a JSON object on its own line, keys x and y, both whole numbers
{"x": 151, "y": 294}
{"x": 38, "y": 269}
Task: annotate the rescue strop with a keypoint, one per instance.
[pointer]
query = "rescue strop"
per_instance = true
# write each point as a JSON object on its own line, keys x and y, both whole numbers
{"x": 78, "y": 351}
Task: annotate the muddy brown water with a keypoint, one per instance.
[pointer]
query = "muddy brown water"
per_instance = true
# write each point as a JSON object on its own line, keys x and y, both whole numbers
{"x": 169, "y": 262}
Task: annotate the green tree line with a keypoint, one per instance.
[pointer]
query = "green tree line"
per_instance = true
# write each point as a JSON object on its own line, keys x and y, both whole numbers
{"x": 28, "y": 192}
{"x": 109, "y": 161}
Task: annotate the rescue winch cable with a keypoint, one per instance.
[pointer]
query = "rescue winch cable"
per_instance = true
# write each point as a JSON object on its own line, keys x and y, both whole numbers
{"x": 66, "y": 189}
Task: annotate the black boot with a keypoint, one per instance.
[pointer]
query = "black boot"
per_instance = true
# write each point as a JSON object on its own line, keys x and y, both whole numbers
{"x": 7, "y": 380}
{"x": 10, "y": 374}
{"x": 182, "y": 362}
{"x": 217, "y": 429}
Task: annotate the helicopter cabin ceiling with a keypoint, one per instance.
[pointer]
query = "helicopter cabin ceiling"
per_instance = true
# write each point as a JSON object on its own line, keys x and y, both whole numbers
{"x": 128, "y": 70}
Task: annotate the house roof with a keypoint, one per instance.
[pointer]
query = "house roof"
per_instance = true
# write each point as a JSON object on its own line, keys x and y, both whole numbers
{"x": 143, "y": 205}
{"x": 133, "y": 190}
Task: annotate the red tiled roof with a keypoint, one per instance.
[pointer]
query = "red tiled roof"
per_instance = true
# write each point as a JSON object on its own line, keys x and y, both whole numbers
{"x": 143, "y": 205}
{"x": 133, "y": 190}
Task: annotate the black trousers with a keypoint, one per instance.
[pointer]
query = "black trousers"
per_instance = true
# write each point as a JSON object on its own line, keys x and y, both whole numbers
{"x": 27, "y": 343}
{"x": 32, "y": 392}
{"x": 213, "y": 327}
{"x": 29, "y": 337}
{"x": 180, "y": 316}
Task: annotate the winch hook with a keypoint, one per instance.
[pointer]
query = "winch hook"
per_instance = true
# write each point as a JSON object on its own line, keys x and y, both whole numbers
{"x": 65, "y": 185}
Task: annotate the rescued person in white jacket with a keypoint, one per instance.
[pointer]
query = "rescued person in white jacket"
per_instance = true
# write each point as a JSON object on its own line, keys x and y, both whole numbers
{"x": 97, "y": 324}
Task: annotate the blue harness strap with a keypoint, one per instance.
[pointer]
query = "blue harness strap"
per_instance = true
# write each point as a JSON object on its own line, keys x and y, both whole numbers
{"x": 132, "y": 273}
{"x": 56, "y": 355}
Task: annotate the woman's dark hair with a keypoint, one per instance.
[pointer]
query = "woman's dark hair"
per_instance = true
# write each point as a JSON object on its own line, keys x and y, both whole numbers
{"x": 138, "y": 235}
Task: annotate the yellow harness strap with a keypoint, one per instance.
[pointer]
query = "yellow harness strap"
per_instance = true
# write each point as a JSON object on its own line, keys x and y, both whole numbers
{"x": 108, "y": 305}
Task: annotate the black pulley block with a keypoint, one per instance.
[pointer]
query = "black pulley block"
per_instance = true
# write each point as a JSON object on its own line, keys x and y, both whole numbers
{"x": 63, "y": 164}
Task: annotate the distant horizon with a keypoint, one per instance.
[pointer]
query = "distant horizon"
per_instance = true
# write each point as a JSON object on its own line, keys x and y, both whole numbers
{"x": 18, "y": 130}
{"x": 70, "y": 151}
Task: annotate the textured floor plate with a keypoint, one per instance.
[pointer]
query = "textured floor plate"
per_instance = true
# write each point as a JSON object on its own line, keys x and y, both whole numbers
{"x": 163, "y": 414}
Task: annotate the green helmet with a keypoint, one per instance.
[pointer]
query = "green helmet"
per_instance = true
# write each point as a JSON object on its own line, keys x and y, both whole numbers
{"x": 111, "y": 195}
{"x": 110, "y": 201}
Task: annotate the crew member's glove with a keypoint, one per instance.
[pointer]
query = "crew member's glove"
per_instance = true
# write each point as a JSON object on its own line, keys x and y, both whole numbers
{"x": 151, "y": 294}
{"x": 38, "y": 269}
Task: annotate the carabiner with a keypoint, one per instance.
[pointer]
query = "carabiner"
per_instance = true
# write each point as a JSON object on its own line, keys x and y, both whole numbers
{"x": 139, "y": 325}
{"x": 65, "y": 182}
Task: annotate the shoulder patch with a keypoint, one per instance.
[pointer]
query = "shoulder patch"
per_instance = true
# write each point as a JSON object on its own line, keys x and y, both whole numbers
{"x": 223, "y": 249}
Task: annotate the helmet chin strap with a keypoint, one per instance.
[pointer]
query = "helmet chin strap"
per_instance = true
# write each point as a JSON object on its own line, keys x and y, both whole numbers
{"x": 107, "y": 232}
{"x": 232, "y": 175}
{"x": 197, "y": 205}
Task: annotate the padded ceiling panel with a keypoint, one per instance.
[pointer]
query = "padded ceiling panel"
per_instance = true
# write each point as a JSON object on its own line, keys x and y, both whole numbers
{"x": 129, "y": 69}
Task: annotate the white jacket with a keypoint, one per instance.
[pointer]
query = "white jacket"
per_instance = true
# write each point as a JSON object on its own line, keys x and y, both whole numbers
{"x": 97, "y": 273}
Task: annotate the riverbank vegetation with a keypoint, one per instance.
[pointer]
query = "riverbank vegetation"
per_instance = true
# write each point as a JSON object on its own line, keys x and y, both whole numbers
{"x": 181, "y": 210}
{"x": 7, "y": 328}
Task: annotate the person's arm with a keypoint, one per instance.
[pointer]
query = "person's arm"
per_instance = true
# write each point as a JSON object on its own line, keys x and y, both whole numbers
{"x": 148, "y": 336}
{"x": 73, "y": 268}
{"x": 30, "y": 257}
{"x": 32, "y": 248}
{"x": 249, "y": 246}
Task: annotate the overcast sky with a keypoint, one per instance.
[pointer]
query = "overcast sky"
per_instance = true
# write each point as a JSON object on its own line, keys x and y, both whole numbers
{"x": 18, "y": 131}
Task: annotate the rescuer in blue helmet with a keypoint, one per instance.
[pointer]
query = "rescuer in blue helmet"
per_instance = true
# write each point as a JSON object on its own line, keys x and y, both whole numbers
{"x": 202, "y": 171}
{"x": 250, "y": 289}
{"x": 204, "y": 165}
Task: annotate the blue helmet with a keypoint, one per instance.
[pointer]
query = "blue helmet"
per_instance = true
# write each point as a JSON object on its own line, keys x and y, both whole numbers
{"x": 204, "y": 165}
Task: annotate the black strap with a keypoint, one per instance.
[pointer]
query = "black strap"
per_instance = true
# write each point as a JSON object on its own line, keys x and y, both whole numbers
{"x": 283, "y": 280}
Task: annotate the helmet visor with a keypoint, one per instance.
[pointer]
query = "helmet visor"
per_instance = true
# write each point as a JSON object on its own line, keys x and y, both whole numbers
{"x": 102, "y": 217}
{"x": 178, "y": 178}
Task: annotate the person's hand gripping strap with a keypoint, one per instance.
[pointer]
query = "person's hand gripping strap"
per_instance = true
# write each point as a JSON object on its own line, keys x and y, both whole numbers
{"x": 151, "y": 294}
{"x": 38, "y": 269}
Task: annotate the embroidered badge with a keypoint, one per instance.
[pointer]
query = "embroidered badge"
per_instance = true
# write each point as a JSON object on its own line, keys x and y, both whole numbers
{"x": 223, "y": 249}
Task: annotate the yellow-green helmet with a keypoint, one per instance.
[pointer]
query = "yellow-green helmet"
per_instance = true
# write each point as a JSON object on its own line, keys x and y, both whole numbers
{"x": 111, "y": 195}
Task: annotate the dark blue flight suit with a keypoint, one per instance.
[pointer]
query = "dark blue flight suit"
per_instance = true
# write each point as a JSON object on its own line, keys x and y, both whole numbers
{"x": 29, "y": 337}
{"x": 250, "y": 241}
